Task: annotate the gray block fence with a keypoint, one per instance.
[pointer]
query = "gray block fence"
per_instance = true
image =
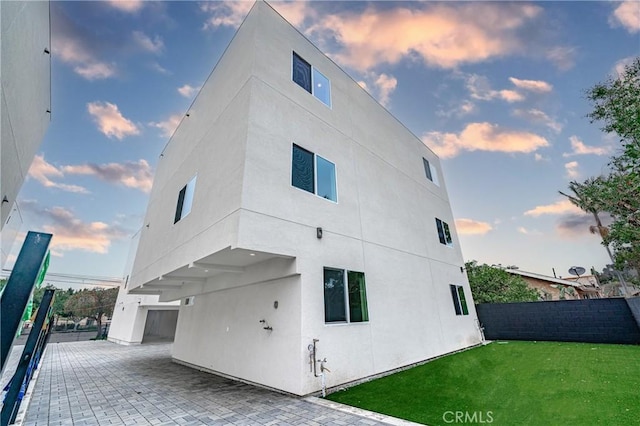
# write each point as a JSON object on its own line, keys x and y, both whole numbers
{"x": 614, "y": 320}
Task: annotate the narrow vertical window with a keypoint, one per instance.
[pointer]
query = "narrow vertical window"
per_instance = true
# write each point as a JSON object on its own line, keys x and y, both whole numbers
{"x": 321, "y": 87}
{"x": 302, "y": 169}
{"x": 178, "y": 214}
{"x": 456, "y": 300}
{"x": 358, "y": 311}
{"x": 334, "y": 296}
{"x": 459, "y": 299}
{"x": 427, "y": 169}
{"x": 463, "y": 301}
{"x": 444, "y": 233}
{"x": 326, "y": 179}
{"x": 185, "y": 200}
{"x": 302, "y": 73}
{"x": 447, "y": 233}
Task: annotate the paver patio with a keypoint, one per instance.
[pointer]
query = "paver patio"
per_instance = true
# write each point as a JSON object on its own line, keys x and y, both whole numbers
{"x": 101, "y": 383}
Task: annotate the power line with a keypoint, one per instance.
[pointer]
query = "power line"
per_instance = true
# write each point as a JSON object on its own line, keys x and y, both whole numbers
{"x": 76, "y": 279}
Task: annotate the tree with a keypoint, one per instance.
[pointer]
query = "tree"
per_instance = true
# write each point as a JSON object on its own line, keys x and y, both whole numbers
{"x": 58, "y": 302}
{"x": 616, "y": 103}
{"x": 93, "y": 304}
{"x": 495, "y": 285}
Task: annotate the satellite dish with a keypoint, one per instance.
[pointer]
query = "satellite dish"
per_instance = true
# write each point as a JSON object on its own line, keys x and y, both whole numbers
{"x": 576, "y": 270}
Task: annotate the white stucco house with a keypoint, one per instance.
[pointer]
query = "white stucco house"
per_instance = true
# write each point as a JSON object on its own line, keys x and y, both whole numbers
{"x": 290, "y": 210}
{"x": 26, "y": 103}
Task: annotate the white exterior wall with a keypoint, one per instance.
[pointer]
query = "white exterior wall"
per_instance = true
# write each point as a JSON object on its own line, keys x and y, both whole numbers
{"x": 25, "y": 96}
{"x": 130, "y": 313}
{"x": 383, "y": 225}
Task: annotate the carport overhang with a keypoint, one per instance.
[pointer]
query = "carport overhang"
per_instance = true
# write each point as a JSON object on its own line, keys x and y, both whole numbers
{"x": 227, "y": 268}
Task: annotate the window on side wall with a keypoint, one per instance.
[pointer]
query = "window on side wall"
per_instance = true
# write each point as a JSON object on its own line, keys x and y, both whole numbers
{"x": 459, "y": 300}
{"x": 311, "y": 80}
{"x": 430, "y": 171}
{"x": 185, "y": 200}
{"x": 345, "y": 296}
{"x": 314, "y": 174}
{"x": 444, "y": 233}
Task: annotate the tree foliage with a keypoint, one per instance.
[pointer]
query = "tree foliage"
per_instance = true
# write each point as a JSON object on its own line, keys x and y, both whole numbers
{"x": 495, "y": 285}
{"x": 60, "y": 299}
{"x": 92, "y": 303}
{"x": 616, "y": 103}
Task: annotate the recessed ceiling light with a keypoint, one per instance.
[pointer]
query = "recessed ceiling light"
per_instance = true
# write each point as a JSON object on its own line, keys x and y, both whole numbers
{"x": 252, "y": 254}
{"x": 206, "y": 270}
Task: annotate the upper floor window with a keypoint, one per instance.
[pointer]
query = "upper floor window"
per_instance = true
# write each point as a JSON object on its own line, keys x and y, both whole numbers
{"x": 311, "y": 80}
{"x": 185, "y": 199}
{"x": 313, "y": 173}
{"x": 430, "y": 171}
{"x": 345, "y": 296}
{"x": 444, "y": 234}
{"x": 459, "y": 300}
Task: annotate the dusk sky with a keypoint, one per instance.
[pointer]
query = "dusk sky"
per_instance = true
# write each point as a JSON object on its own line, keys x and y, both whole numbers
{"x": 495, "y": 89}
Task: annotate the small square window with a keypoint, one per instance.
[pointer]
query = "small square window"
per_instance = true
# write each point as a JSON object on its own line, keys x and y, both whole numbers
{"x": 185, "y": 200}
{"x": 311, "y": 80}
{"x": 444, "y": 233}
{"x": 344, "y": 303}
{"x": 459, "y": 299}
{"x": 314, "y": 174}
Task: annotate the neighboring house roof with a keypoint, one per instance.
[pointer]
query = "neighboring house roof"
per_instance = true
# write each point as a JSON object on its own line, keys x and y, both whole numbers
{"x": 544, "y": 278}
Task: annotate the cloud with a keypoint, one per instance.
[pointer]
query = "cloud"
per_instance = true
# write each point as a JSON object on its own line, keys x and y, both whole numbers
{"x": 479, "y": 88}
{"x": 525, "y": 231}
{"x": 136, "y": 175}
{"x": 539, "y": 157}
{"x": 572, "y": 169}
{"x": 78, "y": 48}
{"x": 110, "y": 121}
{"x": 71, "y": 233}
{"x": 227, "y": 13}
{"x": 42, "y": 171}
{"x": 155, "y": 45}
{"x": 441, "y": 35}
{"x": 537, "y": 116}
{"x": 619, "y": 67}
{"x": 626, "y": 15}
{"x": 557, "y": 208}
{"x": 95, "y": 71}
{"x": 579, "y": 148}
{"x": 483, "y": 137}
{"x": 538, "y": 86}
{"x": 168, "y": 126}
{"x": 128, "y": 6}
{"x": 472, "y": 227}
{"x": 188, "y": 91}
{"x": 384, "y": 85}
{"x": 159, "y": 68}
{"x": 574, "y": 224}
{"x": 232, "y": 13}
{"x": 562, "y": 56}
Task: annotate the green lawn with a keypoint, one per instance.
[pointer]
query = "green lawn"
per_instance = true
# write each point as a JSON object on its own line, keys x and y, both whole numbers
{"x": 519, "y": 383}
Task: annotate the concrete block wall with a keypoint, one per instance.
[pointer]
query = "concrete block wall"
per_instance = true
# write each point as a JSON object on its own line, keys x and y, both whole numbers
{"x": 590, "y": 321}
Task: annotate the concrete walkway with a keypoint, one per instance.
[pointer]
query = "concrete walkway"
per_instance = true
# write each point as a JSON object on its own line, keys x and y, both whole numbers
{"x": 101, "y": 383}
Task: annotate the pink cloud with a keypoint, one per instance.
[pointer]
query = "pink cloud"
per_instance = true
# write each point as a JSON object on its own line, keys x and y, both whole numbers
{"x": 483, "y": 137}
{"x": 472, "y": 227}
{"x": 110, "y": 120}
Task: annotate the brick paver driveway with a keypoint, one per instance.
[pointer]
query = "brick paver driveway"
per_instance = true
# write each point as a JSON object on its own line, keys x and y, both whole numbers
{"x": 101, "y": 383}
